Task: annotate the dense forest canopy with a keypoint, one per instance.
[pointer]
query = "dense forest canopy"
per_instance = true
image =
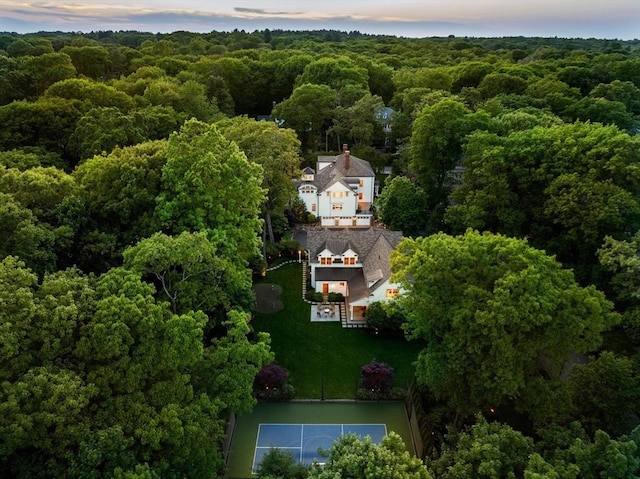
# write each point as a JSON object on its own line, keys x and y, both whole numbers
{"x": 145, "y": 177}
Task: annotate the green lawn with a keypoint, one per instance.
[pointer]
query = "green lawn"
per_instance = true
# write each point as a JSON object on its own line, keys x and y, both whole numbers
{"x": 317, "y": 353}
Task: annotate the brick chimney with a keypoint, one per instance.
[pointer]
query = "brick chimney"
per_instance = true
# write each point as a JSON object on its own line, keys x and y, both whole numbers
{"x": 347, "y": 156}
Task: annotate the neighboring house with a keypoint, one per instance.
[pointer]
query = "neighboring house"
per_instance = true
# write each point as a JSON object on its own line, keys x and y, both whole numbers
{"x": 340, "y": 191}
{"x": 383, "y": 117}
{"x": 354, "y": 263}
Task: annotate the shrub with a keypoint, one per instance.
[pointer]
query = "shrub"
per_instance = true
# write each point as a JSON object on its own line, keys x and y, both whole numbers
{"x": 271, "y": 383}
{"x": 314, "y": 296}
{"x": 377, "y": 377}
{"x": 385, "y": 317}
{"x": 396, "y": 394}
{"x": 336, "y": 297}
{"x": 270, "y": 376}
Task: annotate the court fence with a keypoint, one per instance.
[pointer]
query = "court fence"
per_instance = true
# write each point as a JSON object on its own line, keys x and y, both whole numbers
{"x": 419, "y": 424}
{"x": 226, "y": 445}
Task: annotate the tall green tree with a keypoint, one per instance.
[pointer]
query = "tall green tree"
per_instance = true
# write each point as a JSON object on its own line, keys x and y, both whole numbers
{"x": 403, "y": 206}
{"x": 119, "y": 194}
{"x": 190, "y": 273}
{"x": 486, "y": 450}
{"x": 497, "y": 316}
{"x": 308, "y": 111}
{"x": 622, "y": 260}
{"x": 336, "y": 73}
{"x": 438, "y": 134}
{"x": 40, "y": 72}
{"x": 606, "y": 394}
{"x": 276, "y": 150}
{"x": 357, "y": 124}
{"x": 99, "y": 377}
{"x": 563, "y": 186}
{"x": 209, "y": 185}
{"x": 356, "y": 458}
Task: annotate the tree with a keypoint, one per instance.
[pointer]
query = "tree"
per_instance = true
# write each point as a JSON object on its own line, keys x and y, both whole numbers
{"x": 307, "y": 111}
{"x": 385, "y": 317}
{"x": 40, "y": 72}
{"x": 91, "y": 60}
{"x": 97, "y": 94}
{"x": 569, "y": 452}
{"x": 563, "y": 186}
{"x": 100, "y": 377}
{"x": 436, "y": 146}
{"x": 336, "y": 73}
{"x": 119, "y": 193}
{"x": 403, "y": 206}
{"x": 624, "y": 92}
{"x": 606, "y": 394}
{"x": 357, "y": 123}
{"x": 276, "y": 150}
{"x": 495, "y": 84}
{"x": 356, "y": 458}
{"x": 209, "y": 185}
{"x": 279, "y": 464}
{"x": 47, "y": 123}
{"x": 190, "y": 273}
{"x": 622, "y": 259}
{"x": 101, "y": 130}
{"x": 24, "y": 236}
{"x": 495, "y": 314}
{"x": 602, "y": 110}
{"x": 40, "y": 189}
{"x": 486, "y": 450}
{"x": 188, "y": 97}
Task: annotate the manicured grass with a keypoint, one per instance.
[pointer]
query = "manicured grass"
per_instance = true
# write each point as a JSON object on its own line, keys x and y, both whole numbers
{"x": 325, "y": 354}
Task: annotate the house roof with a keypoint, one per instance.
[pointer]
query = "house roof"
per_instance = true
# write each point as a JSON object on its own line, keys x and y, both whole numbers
{"x": 357, "y": 286}
{"x": 337, "y": 246}
{"x": 336, "y": 171}
{"x": 373, "y": 247}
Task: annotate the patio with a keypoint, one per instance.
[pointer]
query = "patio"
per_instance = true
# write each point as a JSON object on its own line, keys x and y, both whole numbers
{"x": 325, "y": 312}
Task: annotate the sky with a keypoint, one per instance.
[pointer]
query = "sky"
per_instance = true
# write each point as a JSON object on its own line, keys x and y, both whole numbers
{"x": 613, "y": 19}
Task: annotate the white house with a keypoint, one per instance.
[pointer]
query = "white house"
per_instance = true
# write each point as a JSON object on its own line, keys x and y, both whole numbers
{"x": 354, "y": 263}
{"x": 340, "y": 191}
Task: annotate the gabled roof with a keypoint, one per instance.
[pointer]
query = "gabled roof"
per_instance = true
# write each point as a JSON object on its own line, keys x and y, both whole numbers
{"x": 373, "y": 247}
{"x": 336, "y": 171}
{"x": 309, "y": 171}
{"x": 337, "y": 246}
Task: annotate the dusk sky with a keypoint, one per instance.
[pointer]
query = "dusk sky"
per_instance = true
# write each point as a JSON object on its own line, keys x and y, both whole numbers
{"x": 618, "y": 19}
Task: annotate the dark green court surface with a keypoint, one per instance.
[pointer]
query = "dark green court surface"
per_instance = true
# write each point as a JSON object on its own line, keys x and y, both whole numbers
{"x": 245, "y": 436}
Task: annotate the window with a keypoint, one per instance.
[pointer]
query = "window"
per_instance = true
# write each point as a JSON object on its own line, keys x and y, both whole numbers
{"x": 336, "y": 207}
{"x": 361, "y": 183}
{"x": 313, "y": 207}
{"x": 392, "y": 292}
{"x": 350, "y": 260}
{"x": 325, "y": 260}
{"x": 337, "y": 194}
{"x": 359, "y": 196}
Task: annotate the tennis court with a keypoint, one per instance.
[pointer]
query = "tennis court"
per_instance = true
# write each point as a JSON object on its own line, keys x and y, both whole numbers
{"x": 254, "y": 433}
{"x": 304, "y": 441}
